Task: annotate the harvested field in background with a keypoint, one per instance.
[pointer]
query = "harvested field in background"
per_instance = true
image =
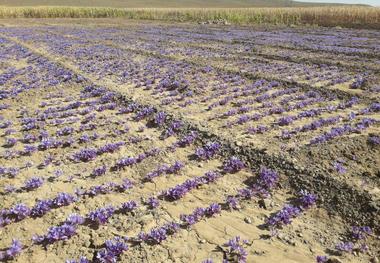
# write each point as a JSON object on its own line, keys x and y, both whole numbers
{"x": 356, "y": 17}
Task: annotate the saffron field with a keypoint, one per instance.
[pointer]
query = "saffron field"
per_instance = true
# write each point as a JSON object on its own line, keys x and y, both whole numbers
{"x": 125, "y": 141}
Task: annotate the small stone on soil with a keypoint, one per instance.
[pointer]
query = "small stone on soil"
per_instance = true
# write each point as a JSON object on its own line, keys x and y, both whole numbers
{"x": 248, "y": 220}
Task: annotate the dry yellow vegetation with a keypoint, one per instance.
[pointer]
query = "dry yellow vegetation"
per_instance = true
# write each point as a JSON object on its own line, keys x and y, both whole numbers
{"x": 351, "y": 16}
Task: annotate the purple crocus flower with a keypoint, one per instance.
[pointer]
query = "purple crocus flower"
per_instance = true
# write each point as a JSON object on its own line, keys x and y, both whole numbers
{"x": 345, "y": 247}
{"x": 129, "y": 206}
{"x": 160, "y": 118}
{"x": 57, "y": 233}
{"x": 158, "y": 235}
{"x": 188, "y": 139}
{"x": 114, "y": 248}
{"x": 213, "y": 209}
{"x": 127, "y": 184}
{"x": 233, "y": 165}
{"x": 99, "y": 171}
{"x": 29, "y": 149}
{"x": 236, "y": 249}
{"x": 360, "y": 232}
{"x": 232, "y": 202}
{"x": 19, "y": 212}
{"x": 374, "y": 140}
{"x": 268, "y": 178}
{"x": 9, "y": 189}
{"x": 63, "y": 199}
{"x": 12, "y": 252}
{"x": 208, "y": 151}
{"x": 101, "y": 215}
{"x": 306, "y": 199}
{"x": 283, "y": 217}
{"x": 85, "y": 155}
{"x": 33, "y": 183}
{"x": 41, "y": 208}
{"x": 152, "y": 202}
{"x": 321, "y": 259}
{"x": 81, "y": 260}
{"x": 75, "y": 219}
{"x": 10, "y": 142}
{"x": 339, "y": 168}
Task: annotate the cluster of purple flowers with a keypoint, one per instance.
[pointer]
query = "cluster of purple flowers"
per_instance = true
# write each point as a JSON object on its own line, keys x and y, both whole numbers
{"x": 49, "y": 143}
{"x": 358, "y": 82}
{"x": 75, "y": 219}
{"x": 124, "y": 162}
{"x": 41, "y": 208}
{"x": 62, "y": 232}
{"x": 65, "y": 131}
{"x": 159, "y": 234}
{"x": 286, "y": 120}
{"x": 106, "y": 188}
{"x": 110, "y": 148}
{"x": 345, "y": 247}
{"x": 321, "y": 259}
{"x": 356, "y": 240}
{"x": 165, "y": 169}
{"x": 208, "y": 151}
{"x": 29, "y": 138}
{"x": 200, "y": 213}
{"x": 233, "y": 165}
{"x": 63, "y": 199}
{"x": 174, "y": 127}
{"x": 88, "y": 154}
{"x": 236, "y": 249}
{"x": 268, "y": 178}
{"x": 81, "y": 260}
{"x": 284, "y": 217}
{"x": 29, "y": 149}
{"x": 128, "y": 206}
{"x": 374, "y": 140}
{"x": 232, "y": 203}
{"x": 10, "y": 142}
{"x": 33, "y": 183}
{"x": 285, "y": 134}
{"x": 265, "y": 183}
{"x": 260, "y": 129}
{"x": 360, "y": 232}
{"x": 152, "y": 202}
{"x": 16, "y": 213}
{"x": 5, "y": 124}
{"x": 85, "y": 155}
{"x": 160, "y": 118}
{"x": 12, "y": 252}
{"x": 306, "y": 200}
{"x": 181, "y": 190}
{"x": 9, "y": 132}
{"x": 143, "y": 113}
{"x": 338, "y": 166}
{"x": 99, "y": 171}
{"x": 86, "y": 138}
{"x": 100, "y": 216}
{"x": 11, "y": 171}
{"x": 345, "y": 129}
{"x": 56, "y": 233}
{"x": 187, "y": 139}
{"x": 112, "y": 251}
